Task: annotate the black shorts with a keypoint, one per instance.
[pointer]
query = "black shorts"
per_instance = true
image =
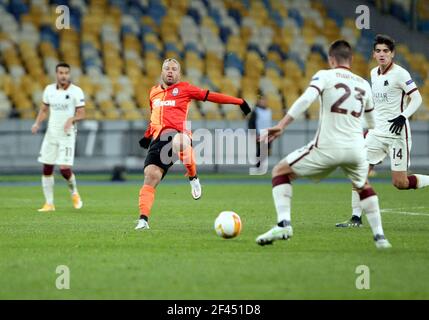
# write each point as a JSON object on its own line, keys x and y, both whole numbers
{"x": 160, "y": 152}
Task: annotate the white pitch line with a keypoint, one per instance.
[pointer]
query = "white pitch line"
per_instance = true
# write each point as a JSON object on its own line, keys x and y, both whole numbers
{"x": 394, "y": 210}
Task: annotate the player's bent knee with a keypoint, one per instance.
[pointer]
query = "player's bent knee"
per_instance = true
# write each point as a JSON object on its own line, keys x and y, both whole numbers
{"x": 181, "y": 142}
{"x": 152, "y": 175}
{"x": 281, "y": 169}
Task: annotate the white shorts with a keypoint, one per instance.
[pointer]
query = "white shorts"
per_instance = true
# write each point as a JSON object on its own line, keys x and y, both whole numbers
{"x": 58, "y": 149}
{"x": 316, "y": 163}
{"x": 398, "y": 150}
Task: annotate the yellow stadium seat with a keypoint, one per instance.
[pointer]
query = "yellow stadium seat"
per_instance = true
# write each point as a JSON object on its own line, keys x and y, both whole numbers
{"x": 233, "y": 114}
{"x": 278, "y": 114}
{"x": 274, "y": 102}
{"x": 213, "y": 115}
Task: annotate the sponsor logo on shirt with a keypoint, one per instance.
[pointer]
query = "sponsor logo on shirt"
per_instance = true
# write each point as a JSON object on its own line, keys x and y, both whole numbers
{"x": 380, "y": 97}
{"x": 166, "y": 103}
{"x": 409, "y": 82}
{"x": 59, "y": 106}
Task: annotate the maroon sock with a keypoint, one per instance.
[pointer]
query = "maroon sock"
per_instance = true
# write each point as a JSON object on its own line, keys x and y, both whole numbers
{"x": 280, "y": 180}
{"x": 412, "y": 182}
{"x": 48, "y": 169}
{"x": 67, "y": 173}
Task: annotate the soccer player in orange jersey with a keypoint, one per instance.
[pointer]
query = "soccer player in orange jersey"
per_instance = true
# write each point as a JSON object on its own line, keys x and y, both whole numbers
{"x": 169, "y": 103}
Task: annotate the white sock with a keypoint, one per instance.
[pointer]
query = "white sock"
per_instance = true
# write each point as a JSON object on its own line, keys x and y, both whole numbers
{"x": 372, "y": 210}
{"x": 422, "y": 180}
{"x": 282, "y": 194}
{"x": 48, "y": 188}
{"x": 356, "y": 208}
{"x": 71, "y": 183}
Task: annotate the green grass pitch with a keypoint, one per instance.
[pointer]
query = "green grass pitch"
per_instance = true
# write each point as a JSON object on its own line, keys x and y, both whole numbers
{"x": 181, "y": 257}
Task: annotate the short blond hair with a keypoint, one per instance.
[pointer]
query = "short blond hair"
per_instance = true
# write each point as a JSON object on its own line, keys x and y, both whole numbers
{"x": 171, "y": 60}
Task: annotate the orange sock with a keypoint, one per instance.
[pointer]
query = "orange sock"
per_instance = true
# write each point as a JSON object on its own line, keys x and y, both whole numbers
{"x": 146, "y": 198}
{"x": 187, "y": 156}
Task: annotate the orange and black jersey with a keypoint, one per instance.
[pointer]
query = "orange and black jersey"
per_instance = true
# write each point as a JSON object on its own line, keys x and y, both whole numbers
{"x": 169, "y": 106}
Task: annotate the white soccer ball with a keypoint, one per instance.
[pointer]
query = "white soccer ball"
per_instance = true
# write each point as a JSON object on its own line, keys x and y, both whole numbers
{"x": 227, "y": 224}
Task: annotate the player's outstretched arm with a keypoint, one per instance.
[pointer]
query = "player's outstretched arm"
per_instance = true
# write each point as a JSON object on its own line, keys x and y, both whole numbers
{"x": 216, "y": 97}
{"x": 298, "y": 107}
{"x": 226, "y": 99}
{"x": 274, "y": 132}
{"x": 41, "y": 116}
{"x": 303, "y": 102}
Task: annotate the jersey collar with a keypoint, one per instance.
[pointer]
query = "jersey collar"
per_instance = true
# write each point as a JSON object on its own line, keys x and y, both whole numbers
{"x": 66, "y": 87}
{"x": 385, "y": 71}
{"x": 169, "y": 87}
{"x": 343, "y": 67}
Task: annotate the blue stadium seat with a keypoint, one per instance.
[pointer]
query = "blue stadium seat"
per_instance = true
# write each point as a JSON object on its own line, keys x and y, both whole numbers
{"x": 364, "y": 46}
{"x": 400, "y": 12}
{"x": 194, "y": 48}
{"x": 276, "y": 48}
{"x": 234, "y": 62}
{"x": 17, "y": 8}
{"x": 273, "y": 65}
{"x": 192, "y": 12}
{"x": 339, "y": 20}
{"x": 206, "y": 3}
{"x": 215, "y": 15}
{"x": 207, "y": 83}
{"x": 253, "y": 47}
{"x": 294, "y": 14}
{"x": 147, "y": 29}
{"x": 135, "y": 10}
{"x": 126, "y": 30}
{"x": 75, "y": 18}
{"x": 60, "y": 2}
{"x": 295, "y": 57}
{"x": 246, "y": 3}
{"x": 224, "y": 34}
{"x": 317, "y": 48}
{"x": 150, "y": 47}
{"x": 47, "y": 34}
{"x": 277, "y": 18}
{"x": 170, "y": 46}
{"x": 236, "y": 15}
{"x": 157, "y": 11}
{"x": 123, "y": 5}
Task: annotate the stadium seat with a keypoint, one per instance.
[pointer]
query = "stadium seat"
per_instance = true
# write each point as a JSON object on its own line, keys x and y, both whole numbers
{"x": 116, "y": 49}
